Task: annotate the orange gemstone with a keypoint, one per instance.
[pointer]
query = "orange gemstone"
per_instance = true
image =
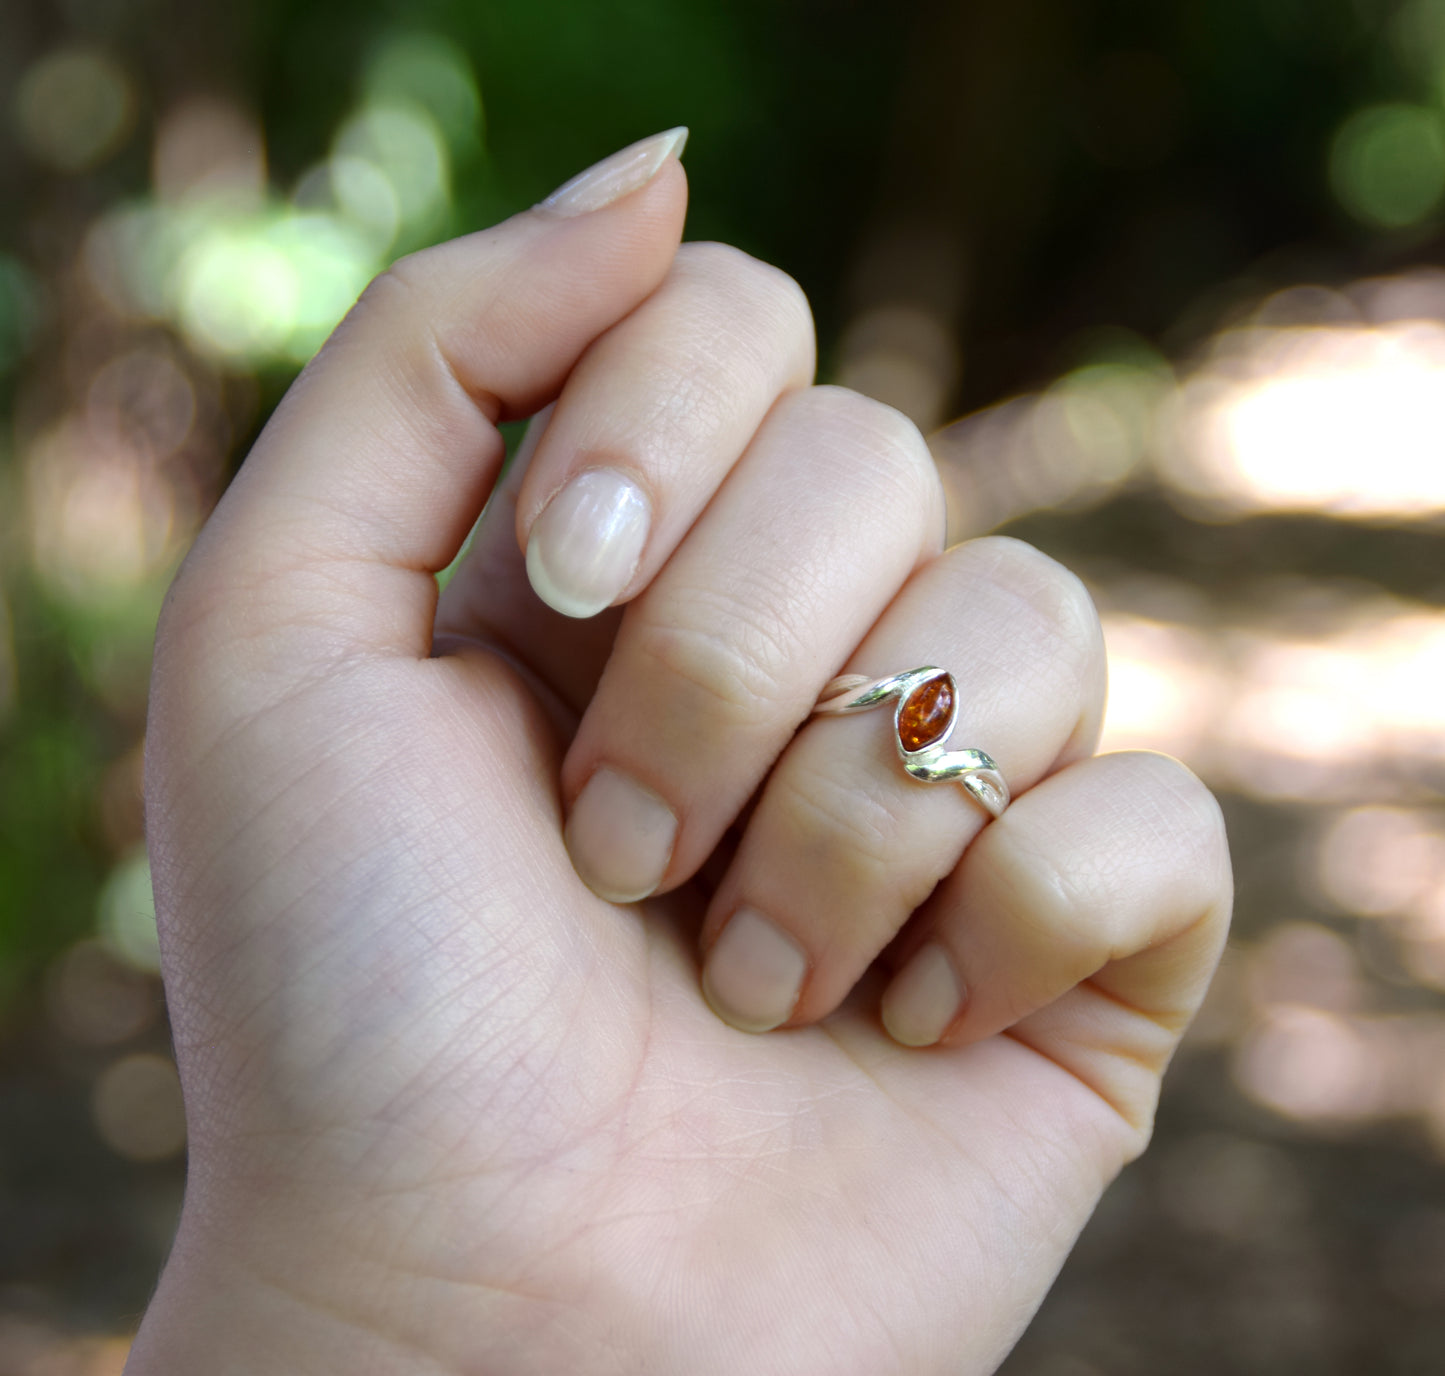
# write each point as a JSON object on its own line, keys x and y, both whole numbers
{"x": 926, "y": 713}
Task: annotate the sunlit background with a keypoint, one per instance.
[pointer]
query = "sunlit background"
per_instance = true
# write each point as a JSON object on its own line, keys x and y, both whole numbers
{"x": 1167, "y": 284}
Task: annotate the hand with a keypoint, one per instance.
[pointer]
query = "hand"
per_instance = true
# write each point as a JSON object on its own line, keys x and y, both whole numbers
{"x": 453, "y": 1111}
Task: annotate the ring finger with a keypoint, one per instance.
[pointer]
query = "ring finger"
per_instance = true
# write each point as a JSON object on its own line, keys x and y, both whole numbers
{"x": 844, "y": 845}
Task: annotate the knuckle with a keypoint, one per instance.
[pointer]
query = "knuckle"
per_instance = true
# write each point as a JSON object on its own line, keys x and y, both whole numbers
{"x": 842, "y": 831}
{"x": 735, "y": 272}
{"x": 416, "y": 286}
{"x": 758, "y": 305}
{"x": 1182, "y": 803}
{"x": 734, "y": 666}
{"x": 877, "y": 424}
{"x": 393, "y": 290}
{"x": 1053, "y": 593}
{"x": 878, "y": 853}
{"x": 892, "y": 445}
{"x": 1064, "y": 908}
{"x": 386, "y": 307}
{"x": 1154, "y": 845}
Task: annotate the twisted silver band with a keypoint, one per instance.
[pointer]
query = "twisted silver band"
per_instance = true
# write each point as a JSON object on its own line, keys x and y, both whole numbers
{"x": 922, "y": 722}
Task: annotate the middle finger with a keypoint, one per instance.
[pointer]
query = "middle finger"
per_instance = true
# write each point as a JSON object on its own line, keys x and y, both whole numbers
{"x": 717, "y": 663}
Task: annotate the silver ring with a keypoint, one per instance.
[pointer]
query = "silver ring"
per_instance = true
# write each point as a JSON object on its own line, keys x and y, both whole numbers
{"x": 923, "y": 720}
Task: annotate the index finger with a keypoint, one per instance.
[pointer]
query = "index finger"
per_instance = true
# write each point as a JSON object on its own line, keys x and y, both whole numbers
{"x": 376, "y": 464}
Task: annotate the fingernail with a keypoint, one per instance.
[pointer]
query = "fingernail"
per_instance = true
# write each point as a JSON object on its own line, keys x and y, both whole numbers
{"x": 619, "y": 836}
{"x": 754, "y": 973}
{"x": 584, "y": 548}
{"x": 612, "y": 178}
{"x": 923, "y": 999}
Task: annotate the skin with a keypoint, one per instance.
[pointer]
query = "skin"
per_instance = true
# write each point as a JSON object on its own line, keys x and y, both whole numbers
{"x": 452, "y": 1112}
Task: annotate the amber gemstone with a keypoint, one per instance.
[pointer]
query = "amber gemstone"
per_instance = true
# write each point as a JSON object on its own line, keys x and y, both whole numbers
{"x": 926, "y": 713}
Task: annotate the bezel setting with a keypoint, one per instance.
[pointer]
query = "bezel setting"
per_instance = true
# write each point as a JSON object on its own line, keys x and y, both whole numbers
{"x": 934, "y": 763}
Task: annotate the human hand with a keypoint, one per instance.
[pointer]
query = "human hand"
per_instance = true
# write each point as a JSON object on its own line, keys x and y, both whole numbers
{"x": 451, "y": 1111}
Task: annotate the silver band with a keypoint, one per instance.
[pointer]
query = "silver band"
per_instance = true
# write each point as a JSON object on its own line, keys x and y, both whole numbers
{"x": 923, "y": 720}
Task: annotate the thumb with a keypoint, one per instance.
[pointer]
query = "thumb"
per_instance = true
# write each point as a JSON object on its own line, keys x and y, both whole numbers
{"x": 377, "y": 463}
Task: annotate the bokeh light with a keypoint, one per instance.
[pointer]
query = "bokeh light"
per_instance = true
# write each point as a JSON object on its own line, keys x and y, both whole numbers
{"x": 1315, "y": 1051}
{"x": 272, "y": 288}
{"x": 96, "y": 1000}
{"x": 1166, "y": 687}
{"x": 251, "y": 277}
{"x": 1347, "y": 711}
{"x": 1319, "y": 400}
{"x": 429, "y": 72}
{"x": 1379, "y": 861}
{"x": 903, "y": 355}
{"x": 74, "y": 107}
{"x": 1388, "y": 164}
{"x": 237, "y": 293}
{"x": 900, "y": 342}
{"x": 137, "y": 1108}
{"x": 145, "y": 396}
{"x": 126, "y": 917}
{"x": 209, "y": 151}
{"x": 101, "y": 515}
{"x": 1068, "y": 446}
{"x": 1307, "y": 1063}
{"x": 404, "y": 144}
{"x": 361, "y": 192}
{"x": 1305, "y": 965}
{"x": 1342, "y": 418}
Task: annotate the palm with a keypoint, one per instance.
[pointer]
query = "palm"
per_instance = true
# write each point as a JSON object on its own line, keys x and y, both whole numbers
{"x": 459, "y": 1015}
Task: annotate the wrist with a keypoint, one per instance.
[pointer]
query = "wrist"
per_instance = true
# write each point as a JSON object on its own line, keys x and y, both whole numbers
{"x": 285, "y": 1290}
{"x": 215, "y": 1310}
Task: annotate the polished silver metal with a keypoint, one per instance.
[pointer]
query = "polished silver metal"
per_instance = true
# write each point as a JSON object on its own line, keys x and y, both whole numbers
{"x": 976, "y": 771}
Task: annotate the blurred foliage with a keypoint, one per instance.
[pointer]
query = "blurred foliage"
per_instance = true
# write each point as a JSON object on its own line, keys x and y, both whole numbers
{"x": 1071, "y": 166}
{"x": 978, "y": 198}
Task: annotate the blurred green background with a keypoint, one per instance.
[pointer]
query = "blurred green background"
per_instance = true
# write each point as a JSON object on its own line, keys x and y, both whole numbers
{"x": 1159, "y": 281}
